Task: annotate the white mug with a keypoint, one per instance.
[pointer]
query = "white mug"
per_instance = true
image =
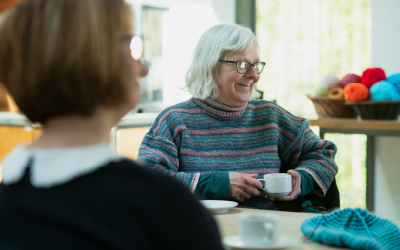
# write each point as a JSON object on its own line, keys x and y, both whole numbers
{"x": 259, "y": 229}
{"x": 277, "y": 185}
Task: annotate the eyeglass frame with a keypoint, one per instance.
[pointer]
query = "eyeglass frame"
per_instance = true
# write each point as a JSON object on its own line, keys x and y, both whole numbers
{"x": 129, "y": 38}
{"x": 251, "y": 65}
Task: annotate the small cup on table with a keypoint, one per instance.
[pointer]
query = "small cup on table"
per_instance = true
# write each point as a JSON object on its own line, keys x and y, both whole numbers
{"x": 277, "y": 185}
{"x": 259, "y": 229}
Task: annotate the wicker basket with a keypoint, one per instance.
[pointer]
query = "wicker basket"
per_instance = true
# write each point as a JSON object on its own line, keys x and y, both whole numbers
{"x": 376, "y": 110}
{"x": 332, "y": 108}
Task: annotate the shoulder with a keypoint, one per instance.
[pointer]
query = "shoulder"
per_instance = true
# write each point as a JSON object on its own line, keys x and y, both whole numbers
{"x": 172, "y": 118}
{"x": 179, "y": 108}
{"x": 273, "y": 112}
{"x": 133, "y": 175}
{"x": 132, "y": 172}
{"x": 175, "y": 111}
{"x": 132, "y": 182}
{"x": 164, "y": 198}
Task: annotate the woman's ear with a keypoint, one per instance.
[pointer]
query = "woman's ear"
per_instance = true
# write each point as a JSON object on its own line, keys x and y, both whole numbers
{"x": 215, "y": 74}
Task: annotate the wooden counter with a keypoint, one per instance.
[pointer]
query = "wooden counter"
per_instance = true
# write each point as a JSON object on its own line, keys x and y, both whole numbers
{"x": 354, "y": 124}
{"x": 126, "y": 137}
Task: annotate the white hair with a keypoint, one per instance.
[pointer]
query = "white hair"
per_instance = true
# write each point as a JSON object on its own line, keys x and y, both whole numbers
{"x": 215, "y": 44}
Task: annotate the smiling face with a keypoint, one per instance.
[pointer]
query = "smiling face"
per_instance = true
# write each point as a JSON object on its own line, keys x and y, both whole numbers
{"x": 234, "y": 88}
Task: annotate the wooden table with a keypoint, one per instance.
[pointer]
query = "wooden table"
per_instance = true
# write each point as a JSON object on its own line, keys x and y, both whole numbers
{"x": 13, "y": 119}
{"x": 371, "y": 128}
{"x": 290, "y": 223}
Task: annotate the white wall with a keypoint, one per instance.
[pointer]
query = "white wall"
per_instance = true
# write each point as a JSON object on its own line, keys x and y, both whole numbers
{"x": 386, "y": 54}
{"x": 183, "y": 26}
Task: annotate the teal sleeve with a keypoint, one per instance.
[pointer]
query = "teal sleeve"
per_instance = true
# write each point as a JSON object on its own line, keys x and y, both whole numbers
{"x": 214, "y": 186}
{"x": 308, "y": 184}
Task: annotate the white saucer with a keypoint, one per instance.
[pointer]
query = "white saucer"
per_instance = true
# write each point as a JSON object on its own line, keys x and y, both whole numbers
{"x": 217, "y": 206}
{"x": 278, "y": 195}
{"x": 236, "y": 242}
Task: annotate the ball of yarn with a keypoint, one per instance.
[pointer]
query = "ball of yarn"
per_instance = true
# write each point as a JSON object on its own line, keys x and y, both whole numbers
{"x": 395, "y": 80}
{"x": 321, "y": 91}
{"x": 353, "y": 228}
{"x": 330, "y": 81}
{"x": 350, "y": 78}
{"x": 336, "y": 93}
{"x": 384, "y": 91}
{"x": 355, "y": 92}
{"x": 371, "y": 76}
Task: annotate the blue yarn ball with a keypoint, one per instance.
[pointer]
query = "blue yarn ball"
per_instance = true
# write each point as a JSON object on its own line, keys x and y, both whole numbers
{"x": 384, "y": 91}
{"x": 395, "y": 79}
{"x": 354, "y": 228}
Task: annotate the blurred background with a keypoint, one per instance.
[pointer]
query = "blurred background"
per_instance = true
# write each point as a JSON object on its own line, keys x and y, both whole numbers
{"x": 301, "y": 40}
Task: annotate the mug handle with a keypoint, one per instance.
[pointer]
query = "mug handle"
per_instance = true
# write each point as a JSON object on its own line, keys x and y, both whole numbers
{"x": 269, "y": 227}
{"x": 263, "y": 182}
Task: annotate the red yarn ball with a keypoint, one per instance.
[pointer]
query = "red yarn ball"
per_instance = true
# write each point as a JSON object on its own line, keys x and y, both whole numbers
{"x": 355, "y": 92}
{"x": 371, "y": 76}
{"x": 350, "y": 78}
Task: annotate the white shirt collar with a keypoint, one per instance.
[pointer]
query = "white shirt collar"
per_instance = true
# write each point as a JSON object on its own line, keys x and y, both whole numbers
{"x": 51, "y": 167}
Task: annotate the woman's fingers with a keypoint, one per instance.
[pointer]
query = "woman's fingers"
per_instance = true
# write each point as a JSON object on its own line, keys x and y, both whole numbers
{"x": 251, "y": 190}
{"x": 252, "y": 175}
{"x": 291, "y": 196}
{"x": 240, "y": 185}
{"x": 238, "y": 197}
{"x": 253, "y": 181}
{"x": 296, "y": 187}
{"x": 246, "y": 195}
{"x": 296, "y": 180}
{"x": 242, "y": 196}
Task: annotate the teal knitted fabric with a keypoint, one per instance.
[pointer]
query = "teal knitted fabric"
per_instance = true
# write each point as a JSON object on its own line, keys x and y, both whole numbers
{"x": 353, "y": 228}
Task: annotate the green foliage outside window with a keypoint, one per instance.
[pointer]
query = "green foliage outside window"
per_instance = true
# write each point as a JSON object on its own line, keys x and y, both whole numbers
{"x": 301, "y": 41}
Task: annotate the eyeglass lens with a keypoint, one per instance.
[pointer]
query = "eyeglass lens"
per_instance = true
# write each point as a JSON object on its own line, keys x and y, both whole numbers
{"x": 243, "y": 67}
{"x": 136, "y": 46}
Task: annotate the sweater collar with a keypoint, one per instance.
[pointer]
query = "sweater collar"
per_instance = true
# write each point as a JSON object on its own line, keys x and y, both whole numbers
{"x": 220, "y": 110}
{"x": 52, "y": 167}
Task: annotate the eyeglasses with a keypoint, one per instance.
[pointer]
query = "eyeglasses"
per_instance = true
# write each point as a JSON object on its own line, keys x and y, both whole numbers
{"x": 242, "y": 67}
{"x": 135, "y": 44}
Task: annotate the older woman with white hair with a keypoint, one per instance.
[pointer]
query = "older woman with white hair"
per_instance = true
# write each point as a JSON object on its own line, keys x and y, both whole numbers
{"x": 219, "y": 142}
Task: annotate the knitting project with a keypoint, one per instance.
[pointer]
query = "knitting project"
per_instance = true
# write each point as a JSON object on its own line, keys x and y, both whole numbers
{"x": 353, "y": 228}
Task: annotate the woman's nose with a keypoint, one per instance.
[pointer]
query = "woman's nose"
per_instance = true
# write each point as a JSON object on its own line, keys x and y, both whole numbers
{"x": 252, "y": 73}
{"x": 144, "y": 69}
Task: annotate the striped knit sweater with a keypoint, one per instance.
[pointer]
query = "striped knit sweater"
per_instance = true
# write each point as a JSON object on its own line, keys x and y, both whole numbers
{"x": 203, "y": 136}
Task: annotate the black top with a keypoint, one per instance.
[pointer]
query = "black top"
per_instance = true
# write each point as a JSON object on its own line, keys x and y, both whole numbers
{"x": 119, "y": 206}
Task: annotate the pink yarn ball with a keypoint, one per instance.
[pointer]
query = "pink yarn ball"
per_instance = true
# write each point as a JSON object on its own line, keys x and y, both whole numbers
{"x": 350, "y": 78}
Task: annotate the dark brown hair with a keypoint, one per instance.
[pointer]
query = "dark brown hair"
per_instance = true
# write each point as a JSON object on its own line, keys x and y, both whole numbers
{"x": 60, "y": 57}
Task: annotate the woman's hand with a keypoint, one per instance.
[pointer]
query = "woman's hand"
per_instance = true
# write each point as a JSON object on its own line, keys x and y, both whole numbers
{"x": 296, "y": 188}
{"x": 240, "y": 185}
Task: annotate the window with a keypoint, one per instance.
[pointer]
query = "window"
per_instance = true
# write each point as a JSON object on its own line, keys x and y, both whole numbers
{"x": 170, "y": 30}
{"x": 153, "y": 27}
{"x": 303, "y": 40}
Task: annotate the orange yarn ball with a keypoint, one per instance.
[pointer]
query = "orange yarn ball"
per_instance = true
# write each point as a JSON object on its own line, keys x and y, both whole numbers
{"x": 355, "y": 92}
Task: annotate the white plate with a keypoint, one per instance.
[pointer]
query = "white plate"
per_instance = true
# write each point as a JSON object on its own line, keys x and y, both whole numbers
{"x": 278, "y": 195}
{"x": 217, "y": 206}
{"x": 236, "y": 242}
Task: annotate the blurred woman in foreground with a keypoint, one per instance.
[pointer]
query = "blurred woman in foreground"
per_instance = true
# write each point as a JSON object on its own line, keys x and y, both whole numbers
{"x": 68, "y": 65}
